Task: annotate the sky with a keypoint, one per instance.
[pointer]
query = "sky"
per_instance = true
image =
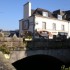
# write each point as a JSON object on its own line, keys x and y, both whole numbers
{"x": 11, "y": 11}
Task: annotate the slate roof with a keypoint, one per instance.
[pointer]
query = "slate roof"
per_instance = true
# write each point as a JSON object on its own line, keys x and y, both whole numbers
{"x": 39, "y": 11}
{"x": 65, "y": 14}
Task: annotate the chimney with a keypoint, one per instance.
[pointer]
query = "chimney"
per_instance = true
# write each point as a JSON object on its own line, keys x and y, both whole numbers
{"x": 27, "y": 10}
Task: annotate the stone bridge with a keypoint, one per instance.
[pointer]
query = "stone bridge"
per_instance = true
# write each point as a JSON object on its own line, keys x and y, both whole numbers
{"x": 61, "y": 54}
{"x": 56, "y": 53}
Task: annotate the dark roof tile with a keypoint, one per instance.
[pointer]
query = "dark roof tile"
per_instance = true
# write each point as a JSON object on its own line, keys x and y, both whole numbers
{"x": 39, "y": 11}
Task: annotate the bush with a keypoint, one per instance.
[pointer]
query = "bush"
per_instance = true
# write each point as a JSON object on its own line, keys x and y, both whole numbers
{"x": 4, "y": 49}
{"x": 1, "y": 34}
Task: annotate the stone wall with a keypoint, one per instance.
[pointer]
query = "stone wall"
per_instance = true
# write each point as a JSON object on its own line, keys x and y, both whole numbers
{"x": 61, "y": 54}
{"x": 11, "y": 42}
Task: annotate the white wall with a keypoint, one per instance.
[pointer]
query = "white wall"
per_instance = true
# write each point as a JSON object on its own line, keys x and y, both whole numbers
{"x": 49, "y": 24}
{"x": 69, "y": 29}
{"x": 27, "y": 10}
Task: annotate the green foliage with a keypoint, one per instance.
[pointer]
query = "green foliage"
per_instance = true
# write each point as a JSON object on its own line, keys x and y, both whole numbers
{"x": 63, "y": 68}
{"x": 25, "y": 43}
{"x": 4, "y": 49}
{"x": 30, "y": 37}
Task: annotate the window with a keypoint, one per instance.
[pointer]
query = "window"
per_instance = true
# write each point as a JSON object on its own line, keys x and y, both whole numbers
{"x": 45, "y": 14}
{"x": 54, "y": 26}
{"x": 43, "y": 25}
{"x": 36, "y": 23}
{"x": 59, "y": 17}
{"x": 62, "y": 27}
{"x": 25, "y": 24}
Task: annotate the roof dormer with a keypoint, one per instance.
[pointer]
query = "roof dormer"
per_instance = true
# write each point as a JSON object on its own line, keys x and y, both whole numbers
{"x": 45, "y": 14}
{"x": 59, "y": 17}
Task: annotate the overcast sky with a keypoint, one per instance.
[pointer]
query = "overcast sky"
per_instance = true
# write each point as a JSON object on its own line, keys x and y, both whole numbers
{"x": 11, "y": 11}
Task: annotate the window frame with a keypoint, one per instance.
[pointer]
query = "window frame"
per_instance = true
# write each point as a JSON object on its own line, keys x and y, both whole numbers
{"x": 54, "y": 26}
{"x": 60, "y": 17}
{"x": 45, "y": 14}
{"x": 43, "y": 25}
{"x": 62, "y": 27}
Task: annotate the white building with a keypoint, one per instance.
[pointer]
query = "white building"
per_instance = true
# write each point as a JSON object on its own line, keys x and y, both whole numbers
{"x": 42, "y": 21}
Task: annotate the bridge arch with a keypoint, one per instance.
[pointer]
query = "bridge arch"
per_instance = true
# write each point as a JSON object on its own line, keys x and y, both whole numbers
{"x": 61, "y": 54}
{"x": 38, "y": 61}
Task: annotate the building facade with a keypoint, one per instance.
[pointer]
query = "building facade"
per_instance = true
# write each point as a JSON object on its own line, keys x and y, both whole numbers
{"x": 44, "y": 22}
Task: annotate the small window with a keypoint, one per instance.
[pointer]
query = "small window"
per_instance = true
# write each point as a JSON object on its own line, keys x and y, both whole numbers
{"x": 62, "y": 27}
{"x": 45, "y": 14}
{"x": 36, "y": 23}
{"x": 54, "y": 26}
{"x": 59, "y": 17}
{"x": 43, "y": 25}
